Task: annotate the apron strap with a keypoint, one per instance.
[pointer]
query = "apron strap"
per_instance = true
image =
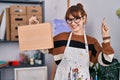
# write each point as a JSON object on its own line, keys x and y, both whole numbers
{"x": 86, "y": 43}
{"x": 68, "y": 42}
{"x": 85, "y": 38}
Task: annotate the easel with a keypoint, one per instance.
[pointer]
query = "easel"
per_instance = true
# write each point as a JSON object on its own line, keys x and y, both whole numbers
{"x": 68, "y": 3}
{"x": 1, "y": 15}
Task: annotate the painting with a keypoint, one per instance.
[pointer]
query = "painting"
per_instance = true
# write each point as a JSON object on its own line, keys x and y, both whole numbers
{"x": 35, "y": 73}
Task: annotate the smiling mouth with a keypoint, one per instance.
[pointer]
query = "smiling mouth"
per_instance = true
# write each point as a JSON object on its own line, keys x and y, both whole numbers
{"x": 74, "y": 27}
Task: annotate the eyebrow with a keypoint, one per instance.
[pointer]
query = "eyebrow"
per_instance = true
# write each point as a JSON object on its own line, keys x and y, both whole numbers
{"x": 75, "y": 17}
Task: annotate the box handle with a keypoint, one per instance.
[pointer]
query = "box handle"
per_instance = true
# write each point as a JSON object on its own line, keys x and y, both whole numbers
{"x": 18, "y": 10}
{"x": 18, "y": 19}
{"x": 34, "y": 10}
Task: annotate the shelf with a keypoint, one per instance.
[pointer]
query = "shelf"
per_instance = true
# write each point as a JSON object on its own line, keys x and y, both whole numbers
{"x": 22, "y": 66}
{"x": 8, "y": 41}
{"x": 12, "y": 47}
{"x": 22, "y": 1}
{"x": 16, "y": 73}
{"x": 17, "y": 2}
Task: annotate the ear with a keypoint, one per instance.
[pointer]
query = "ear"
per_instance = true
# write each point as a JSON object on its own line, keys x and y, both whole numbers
{"x": 84, "y": 19}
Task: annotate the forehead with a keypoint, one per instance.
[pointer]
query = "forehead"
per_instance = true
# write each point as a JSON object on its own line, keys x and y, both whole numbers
{"x": 74, "y": 15}
{"x": 70, "y": 16}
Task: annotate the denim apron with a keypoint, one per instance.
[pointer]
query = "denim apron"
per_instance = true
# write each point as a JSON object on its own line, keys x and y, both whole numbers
{"x": 74, "y": 64}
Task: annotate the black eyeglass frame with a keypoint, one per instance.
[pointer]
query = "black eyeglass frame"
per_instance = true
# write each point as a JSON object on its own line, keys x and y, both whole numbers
{"x": 75, "y": 19}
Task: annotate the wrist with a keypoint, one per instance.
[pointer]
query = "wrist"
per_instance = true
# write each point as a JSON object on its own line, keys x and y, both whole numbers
{"x": 106, "y": 41}
{"x": 106, "y": 37}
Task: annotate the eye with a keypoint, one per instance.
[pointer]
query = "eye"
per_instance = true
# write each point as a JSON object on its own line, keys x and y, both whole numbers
{"x": 70, "y": 19}
{"x": 78, "y": 17}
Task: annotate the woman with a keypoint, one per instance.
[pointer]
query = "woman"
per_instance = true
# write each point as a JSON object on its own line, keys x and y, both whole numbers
{"x": 75, "y": 51}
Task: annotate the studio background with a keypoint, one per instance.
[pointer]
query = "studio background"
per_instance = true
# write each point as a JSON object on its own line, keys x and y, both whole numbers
{"x": 96, "y": 11}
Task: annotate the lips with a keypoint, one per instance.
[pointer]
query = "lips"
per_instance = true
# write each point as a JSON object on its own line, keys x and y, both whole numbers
{"x": 74, "y": 27}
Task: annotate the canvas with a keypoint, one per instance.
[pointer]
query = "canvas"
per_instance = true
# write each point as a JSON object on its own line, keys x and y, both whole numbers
{"x": 37, "y": 36}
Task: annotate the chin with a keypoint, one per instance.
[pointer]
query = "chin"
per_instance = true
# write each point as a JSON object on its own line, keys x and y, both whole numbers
{"x": 75, "y": 30}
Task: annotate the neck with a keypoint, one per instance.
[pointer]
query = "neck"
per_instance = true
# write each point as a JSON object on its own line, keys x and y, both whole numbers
{"x": 80, "y": 32}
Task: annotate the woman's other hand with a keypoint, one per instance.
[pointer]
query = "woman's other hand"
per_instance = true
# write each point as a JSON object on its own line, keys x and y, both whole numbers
{"x": 33, "y": 20}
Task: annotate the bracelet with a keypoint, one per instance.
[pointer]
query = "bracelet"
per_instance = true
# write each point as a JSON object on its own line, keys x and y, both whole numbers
{"x": 108, "y": 37}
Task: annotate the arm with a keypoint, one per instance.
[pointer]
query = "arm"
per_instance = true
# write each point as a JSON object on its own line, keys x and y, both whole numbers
{"x": 105, "y": 58}
{"x": 53, "y": 70}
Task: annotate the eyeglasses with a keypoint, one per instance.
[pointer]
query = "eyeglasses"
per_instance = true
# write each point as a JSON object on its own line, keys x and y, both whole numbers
{"x": 76, "y": 20}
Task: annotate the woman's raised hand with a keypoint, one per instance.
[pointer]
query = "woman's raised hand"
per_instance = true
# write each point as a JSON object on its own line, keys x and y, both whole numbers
{"x": 105, "y": 31}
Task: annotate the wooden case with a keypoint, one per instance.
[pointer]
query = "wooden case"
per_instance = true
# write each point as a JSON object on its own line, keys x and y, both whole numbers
{"x": 18, "y": 19}
{"x": 34, "y": 10}
{"x": 17, "y": 9}
{"x": 37, "y": 36}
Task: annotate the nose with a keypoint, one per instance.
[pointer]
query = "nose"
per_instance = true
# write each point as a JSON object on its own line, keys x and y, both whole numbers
{"x": 72, "y": 23}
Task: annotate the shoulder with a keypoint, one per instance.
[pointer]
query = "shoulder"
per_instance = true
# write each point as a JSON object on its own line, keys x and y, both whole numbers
{"x": 62, "y": 36}
{"x": 91, "y": 39}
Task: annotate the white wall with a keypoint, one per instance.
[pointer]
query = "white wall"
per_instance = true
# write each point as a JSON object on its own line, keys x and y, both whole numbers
{"x": 55, "y": 9}
{"x": 96, "y": 10}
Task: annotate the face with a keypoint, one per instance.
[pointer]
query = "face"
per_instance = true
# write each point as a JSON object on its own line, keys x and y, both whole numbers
{"x": 76, "y": 23}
